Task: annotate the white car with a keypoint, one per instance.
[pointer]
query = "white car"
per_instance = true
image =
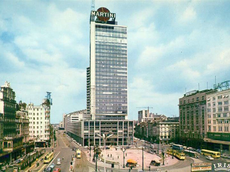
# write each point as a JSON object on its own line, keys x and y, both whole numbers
{"x": 209, "y": 158}
{"x": 59, "y": 161}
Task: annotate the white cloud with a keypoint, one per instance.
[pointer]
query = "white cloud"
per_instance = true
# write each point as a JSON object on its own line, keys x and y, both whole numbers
{"x": 185, "y": 69}
{"x": 14, "y": 60}
{"x": 152, "y": 54}
{"x": 65, "y": 21}
{"x": 171, "y": 45}
{"x": 221, "y": 62}
{"x": 188, "y": 15}
{"x": 142, "y": 94}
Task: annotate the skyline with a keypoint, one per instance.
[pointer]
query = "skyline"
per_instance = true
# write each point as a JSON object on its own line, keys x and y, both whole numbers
{"x": 173, "y": 47}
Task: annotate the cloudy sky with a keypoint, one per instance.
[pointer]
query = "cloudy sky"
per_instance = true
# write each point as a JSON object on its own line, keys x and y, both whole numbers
{"x": 173, "y": 47}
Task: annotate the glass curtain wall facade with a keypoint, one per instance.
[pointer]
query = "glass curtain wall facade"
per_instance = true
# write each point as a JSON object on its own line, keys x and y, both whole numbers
{"x": 107, "y": 82}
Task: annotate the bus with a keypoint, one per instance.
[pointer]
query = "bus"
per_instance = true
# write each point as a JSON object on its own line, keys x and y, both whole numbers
{"x": 48, "y": 157}
{"x": 180, "y": 155}
{"x": 214, "y": 154}
{"x": 191, "y": 153}
{"x": 78, "y": 153}
{"x": 170, "y": 152}
{"x": 177, "y": 147}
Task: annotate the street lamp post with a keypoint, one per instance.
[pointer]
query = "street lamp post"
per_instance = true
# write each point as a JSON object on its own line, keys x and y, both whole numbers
{"x": 163, "y": 154}
{"x": 105, "y": 137}
{"x": 96, "y": 155}
{"x": 123, "y": 150}
{"x": 142, "y": 158}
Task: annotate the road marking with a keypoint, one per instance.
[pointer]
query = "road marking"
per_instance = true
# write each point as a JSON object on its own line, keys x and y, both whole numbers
{"x": 42, "y": 167}
{"x": 54, "y": 158}
{"x": 63, "y": 141}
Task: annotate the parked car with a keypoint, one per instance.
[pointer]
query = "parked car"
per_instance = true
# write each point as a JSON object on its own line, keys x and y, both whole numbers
{"x": 57, "y": 170}
{"x": 59, "y": 161}
{"x": 50, "y": 168}
{"x": 131, "y": 163}
{"x": 155, "y": 163}
{"x": 198, "y": 150}
{"x": 209, "y": 158}
{"x": 191, "y": 148}
{"x": 224, "y": 156}
{"x": 171, "y": 144}
{"x": 52, "y": 165}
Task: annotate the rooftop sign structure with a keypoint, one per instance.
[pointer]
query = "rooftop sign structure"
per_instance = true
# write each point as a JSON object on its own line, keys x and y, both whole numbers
{"x": 222, "y": 86}
{"x": 103, "y": 14}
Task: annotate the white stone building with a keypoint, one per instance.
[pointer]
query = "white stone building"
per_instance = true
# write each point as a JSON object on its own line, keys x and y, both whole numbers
{"x": 39, "y": 117}
{"x": 218, "y": 119}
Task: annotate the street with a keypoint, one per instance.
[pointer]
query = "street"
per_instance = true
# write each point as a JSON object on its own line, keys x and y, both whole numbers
{"x": 65, "y": 146}
{"x": 66, "y": 149}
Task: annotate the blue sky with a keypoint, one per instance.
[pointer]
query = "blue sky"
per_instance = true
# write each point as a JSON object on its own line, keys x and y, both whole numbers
{"x": 173, "y": 46}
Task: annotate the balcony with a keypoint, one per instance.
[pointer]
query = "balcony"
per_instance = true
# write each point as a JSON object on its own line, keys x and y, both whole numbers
{"x": 7, "y": 149}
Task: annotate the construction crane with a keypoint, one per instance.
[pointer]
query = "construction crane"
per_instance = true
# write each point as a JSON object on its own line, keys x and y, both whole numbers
{"x": 145, "y": 107}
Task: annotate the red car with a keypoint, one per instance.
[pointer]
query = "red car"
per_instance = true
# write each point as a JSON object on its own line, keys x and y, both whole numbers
{"x": 57, "y": 170}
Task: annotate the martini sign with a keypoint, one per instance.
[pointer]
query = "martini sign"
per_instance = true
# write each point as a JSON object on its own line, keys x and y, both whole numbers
{"x": 103, "y": 14}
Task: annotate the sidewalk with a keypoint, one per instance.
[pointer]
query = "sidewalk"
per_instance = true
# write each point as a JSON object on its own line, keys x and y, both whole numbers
{"x": 34, "y": 164}
{"x": 116, "y": 156}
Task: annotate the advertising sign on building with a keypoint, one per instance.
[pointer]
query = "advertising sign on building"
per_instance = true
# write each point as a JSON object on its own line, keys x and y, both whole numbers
{"x": 201, "y": 166}
{"x": 218, "y": 166}
{"x": 103, "y": 14}
{"x": 221, "y": 166}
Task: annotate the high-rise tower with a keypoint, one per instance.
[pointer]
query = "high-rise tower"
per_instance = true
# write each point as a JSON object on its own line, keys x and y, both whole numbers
{"x": 107, "y": 74}
{"x": 107, "y": 106}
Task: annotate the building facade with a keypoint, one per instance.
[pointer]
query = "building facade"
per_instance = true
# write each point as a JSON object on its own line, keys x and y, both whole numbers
{"x": 143, "y": 115}
{"x": 167, "y": 131}
{"x": 88, "y": 132}
{"x": 1, "y": 132}
{"x": 218, "y": 120}
{"x": 10, "y": 138}
{"x": 8, "y": 111}
{"x": 22, "y": 121}
{"x": 107, "y": 74}
{"x": 192, "y": 109}
{"x": 158, "y": 131}
{"x": 72, "y": 118}
{"x": 39, "y": 121}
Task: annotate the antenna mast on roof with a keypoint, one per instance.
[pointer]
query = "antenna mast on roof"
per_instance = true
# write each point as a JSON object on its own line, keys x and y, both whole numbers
{"x": 93, "y": 5}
